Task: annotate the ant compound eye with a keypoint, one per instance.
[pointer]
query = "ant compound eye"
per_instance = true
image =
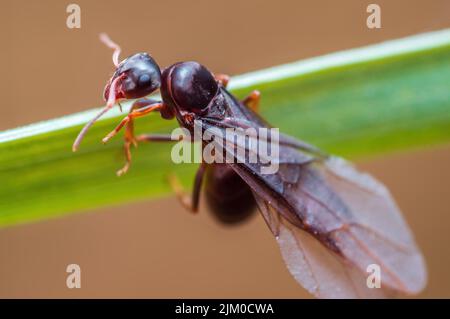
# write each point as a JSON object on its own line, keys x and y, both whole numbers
{"x": 144, "y": 80}
{"x": 142, "y": 75}
{"x": 193, "y": 86}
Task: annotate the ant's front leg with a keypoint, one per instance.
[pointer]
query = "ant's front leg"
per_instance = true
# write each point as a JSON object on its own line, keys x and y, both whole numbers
{"x": 129, "y": 137}
{"x": 139, "y": 108}
{"x": 129, "y": 129}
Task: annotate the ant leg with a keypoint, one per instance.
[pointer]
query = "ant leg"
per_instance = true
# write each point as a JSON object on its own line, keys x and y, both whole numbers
{"x": 252, "y": 101}
{"x": 142, "y": 111}
{"x": 124, "y": 169}
{"x": 189, "y": 202}
{"x": 140, "y": 104}
{"x": 141, "y": 138}
{"x": 129, "y": 130}
{"x": 222, "y": 79}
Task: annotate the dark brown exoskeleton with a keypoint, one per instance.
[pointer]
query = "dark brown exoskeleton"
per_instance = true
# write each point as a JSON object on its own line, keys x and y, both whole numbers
{"x": 340, "y": 232}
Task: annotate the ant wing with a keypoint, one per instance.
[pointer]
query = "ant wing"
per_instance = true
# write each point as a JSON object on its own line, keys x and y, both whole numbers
{"x": 319, "y": 270}
{"x": 333, "y": 223}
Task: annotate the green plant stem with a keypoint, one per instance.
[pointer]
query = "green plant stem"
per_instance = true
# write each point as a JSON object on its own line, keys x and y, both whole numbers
{"x": 362, "y": 102}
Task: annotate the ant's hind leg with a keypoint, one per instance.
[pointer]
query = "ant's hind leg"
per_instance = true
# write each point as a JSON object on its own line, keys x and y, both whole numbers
{"x": 252, "y": 100}
{"x": 190, "y": 202}
{"x": 222, "y": 79}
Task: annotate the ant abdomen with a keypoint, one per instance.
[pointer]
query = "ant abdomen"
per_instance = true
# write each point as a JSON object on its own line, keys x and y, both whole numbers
{"x": 229, "y": 198}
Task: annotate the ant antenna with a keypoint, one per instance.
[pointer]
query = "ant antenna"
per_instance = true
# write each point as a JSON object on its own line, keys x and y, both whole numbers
{"x": 112, "y": 91}
{"x": 111, "y": 44}
{"x": 109, "y": 105}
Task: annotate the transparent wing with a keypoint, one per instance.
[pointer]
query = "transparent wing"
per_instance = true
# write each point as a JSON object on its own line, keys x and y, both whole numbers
{"x": 332, "y": 223}
{"x": 319, "y": 270}
{"x": 374, "y": 232}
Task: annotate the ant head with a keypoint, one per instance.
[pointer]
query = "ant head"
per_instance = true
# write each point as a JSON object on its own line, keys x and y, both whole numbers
{"x": 136, "y": 76}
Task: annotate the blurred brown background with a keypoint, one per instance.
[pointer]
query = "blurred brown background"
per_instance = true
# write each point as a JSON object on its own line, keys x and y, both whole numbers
{"x": 156, "y": 249}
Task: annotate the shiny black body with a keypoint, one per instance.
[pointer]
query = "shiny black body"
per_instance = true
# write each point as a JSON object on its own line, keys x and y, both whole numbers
{"x": 229, "y": 198}
{"x": 192, "y": 93}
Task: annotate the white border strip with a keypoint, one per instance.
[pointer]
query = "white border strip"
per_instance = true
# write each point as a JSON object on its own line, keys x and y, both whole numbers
{"x": 391, "y": 48}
